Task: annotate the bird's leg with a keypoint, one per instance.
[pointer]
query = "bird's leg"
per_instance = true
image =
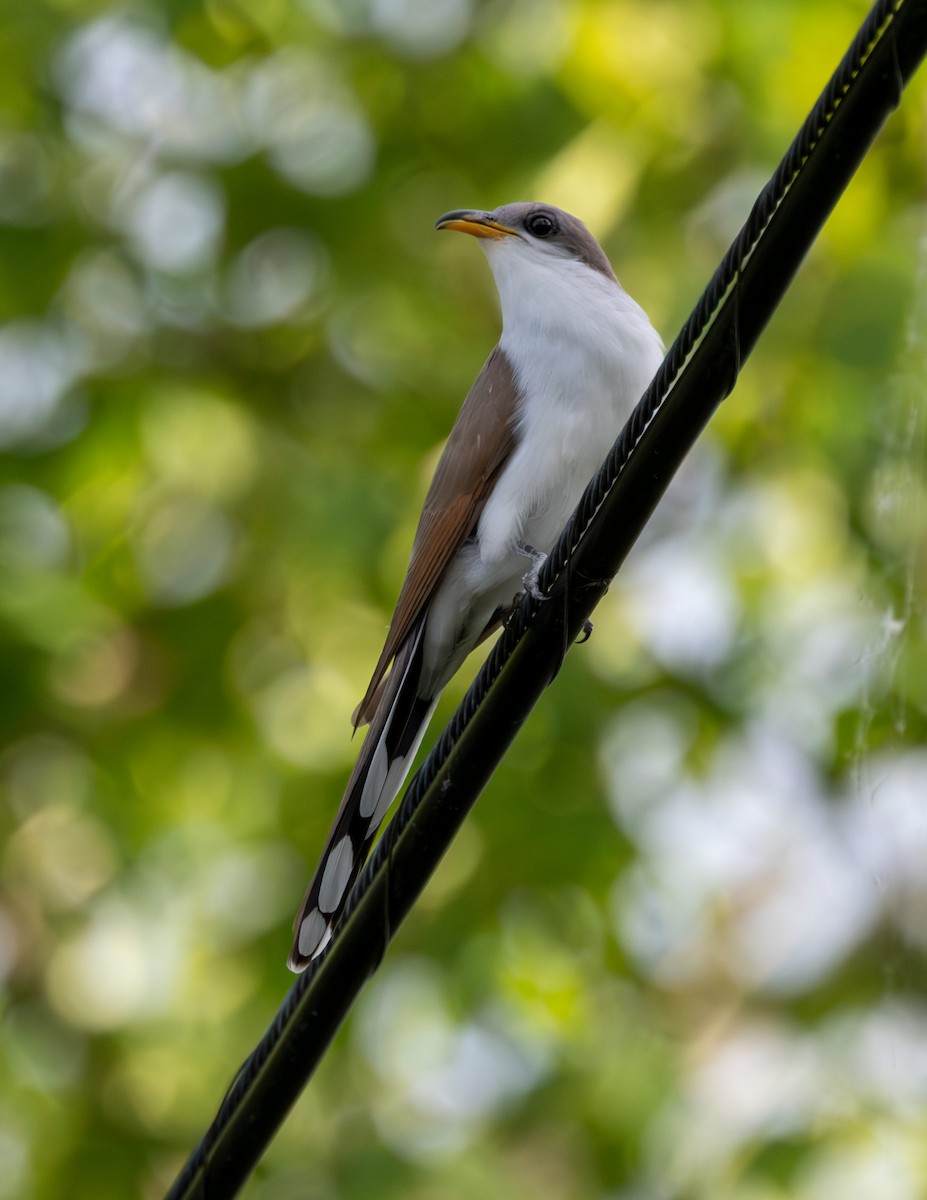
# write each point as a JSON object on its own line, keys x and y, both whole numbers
{"x": 530, "y": 577}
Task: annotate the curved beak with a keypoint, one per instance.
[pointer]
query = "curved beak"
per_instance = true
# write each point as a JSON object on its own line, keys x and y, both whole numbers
{"x": 479, "y": 224}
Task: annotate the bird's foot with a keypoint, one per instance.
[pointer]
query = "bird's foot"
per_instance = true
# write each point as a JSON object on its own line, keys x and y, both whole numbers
{"x": 530, "y": 577}
{"x": 586, "y": 633}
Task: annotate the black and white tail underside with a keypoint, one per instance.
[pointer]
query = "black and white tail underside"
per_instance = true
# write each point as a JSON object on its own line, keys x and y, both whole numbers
{"x": 382, "y": 765}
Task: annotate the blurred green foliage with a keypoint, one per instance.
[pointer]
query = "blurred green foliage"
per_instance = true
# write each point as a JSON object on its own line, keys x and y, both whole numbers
{"x": 679, "y": 950}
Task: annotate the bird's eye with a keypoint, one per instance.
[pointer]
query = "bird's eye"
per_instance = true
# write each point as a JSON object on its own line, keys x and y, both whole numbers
{"x": 541, "y": 225}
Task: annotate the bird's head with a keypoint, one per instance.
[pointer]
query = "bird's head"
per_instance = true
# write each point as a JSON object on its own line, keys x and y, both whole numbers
{"x": 536, "y": 233}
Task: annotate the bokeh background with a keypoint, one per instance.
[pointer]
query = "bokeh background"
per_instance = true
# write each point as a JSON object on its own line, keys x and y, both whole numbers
{"x": 679, "y": 949}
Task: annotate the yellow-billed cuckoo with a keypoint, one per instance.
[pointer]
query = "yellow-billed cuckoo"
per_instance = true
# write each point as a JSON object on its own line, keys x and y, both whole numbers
{"x": 575, "y": 355}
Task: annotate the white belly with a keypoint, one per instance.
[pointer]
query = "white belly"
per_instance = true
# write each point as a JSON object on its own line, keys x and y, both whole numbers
{"x": 575, "y": 397}
{"x": 576, "y": 394}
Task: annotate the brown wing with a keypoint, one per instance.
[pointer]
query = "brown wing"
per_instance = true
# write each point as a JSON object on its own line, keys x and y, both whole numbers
{"x": 478, "y": 446}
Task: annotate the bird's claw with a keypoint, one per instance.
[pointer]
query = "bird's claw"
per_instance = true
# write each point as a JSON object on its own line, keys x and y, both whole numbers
{"x": 530, "y": 577}
{"x": 530, "y": 580}
{"x": 586, "y": 633}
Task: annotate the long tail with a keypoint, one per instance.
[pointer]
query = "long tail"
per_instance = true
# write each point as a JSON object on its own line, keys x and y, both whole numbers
{"x": 394, "y": 735}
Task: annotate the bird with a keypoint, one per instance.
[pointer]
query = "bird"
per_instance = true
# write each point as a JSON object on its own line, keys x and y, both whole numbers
{"x": 575, "y": 355}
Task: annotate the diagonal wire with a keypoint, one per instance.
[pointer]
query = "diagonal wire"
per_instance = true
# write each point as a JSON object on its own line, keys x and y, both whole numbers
{"x": 698, "y": 373}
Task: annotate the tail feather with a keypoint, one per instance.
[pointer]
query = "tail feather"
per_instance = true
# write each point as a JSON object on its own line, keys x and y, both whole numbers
{"x": 393, "y": 738}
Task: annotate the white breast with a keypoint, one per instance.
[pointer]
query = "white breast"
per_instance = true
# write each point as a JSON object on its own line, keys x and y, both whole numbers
{"x": 583, "y": 353}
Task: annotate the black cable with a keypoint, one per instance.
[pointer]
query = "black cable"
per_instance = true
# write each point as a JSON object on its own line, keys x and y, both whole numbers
{"x": 698, "y": 373}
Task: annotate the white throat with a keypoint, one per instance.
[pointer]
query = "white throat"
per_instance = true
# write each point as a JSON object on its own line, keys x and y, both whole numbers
{"x": 544, "y": 295}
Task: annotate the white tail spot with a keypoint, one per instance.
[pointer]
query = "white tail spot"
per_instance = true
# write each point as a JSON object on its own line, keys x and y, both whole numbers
{"x": 373, "y": 784}
{"x": 391, "y": 785}
{"x": 311, "y": 931}
{"x": 395, "y": 776}
{"x": 335, "y": 877}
